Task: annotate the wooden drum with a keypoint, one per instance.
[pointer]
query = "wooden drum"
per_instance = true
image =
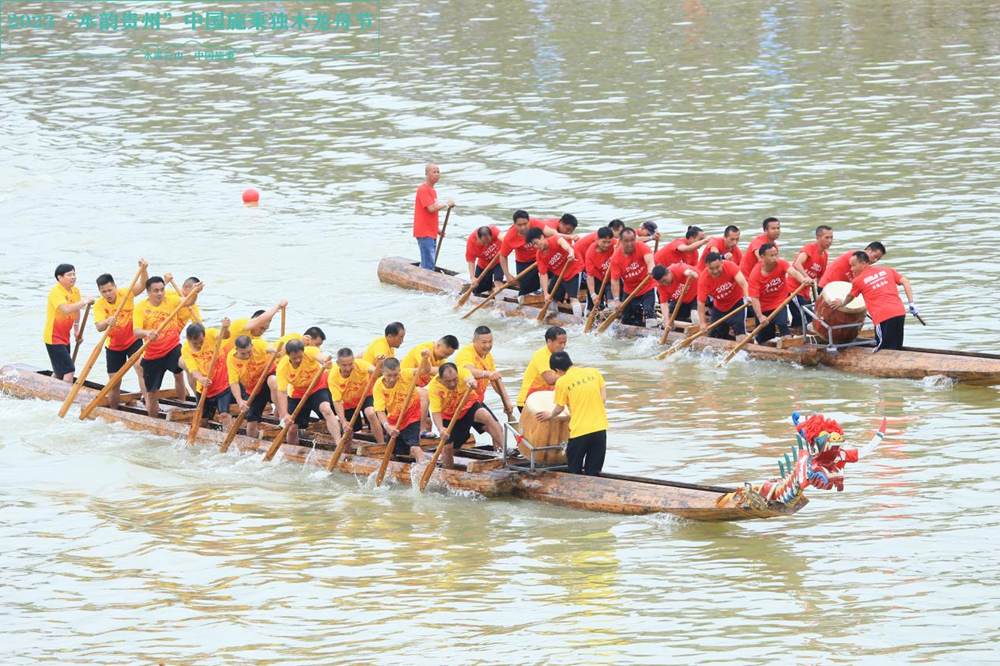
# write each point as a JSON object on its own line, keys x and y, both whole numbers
{"x": 852, "y": 313}
{"x": 543, "y": 433}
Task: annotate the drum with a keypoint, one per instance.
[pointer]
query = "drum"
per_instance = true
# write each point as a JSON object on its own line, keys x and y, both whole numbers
{"x": 852, "y": 313}
{"x": 544, "y": 433}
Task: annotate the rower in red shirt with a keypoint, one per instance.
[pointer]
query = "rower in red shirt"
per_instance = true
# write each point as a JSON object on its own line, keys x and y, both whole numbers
{"x": 723, "y": 282}
{"x": 811, "y": 260}
{"x": 630, "y": 264}
{"x": 840, "y": 269}
{"x": 552, "y": 255}
{"x": 482, "y": 246}
{"x": 682, "y": 250}
{"x": 670, "y": 288}
{"x": 727, "y": 246}
{"x": 768, "y": 287}
{"x": 425, "y": 216}
{"x": 878, "y": 286}
{"x": 582, "y": 246}
{"x": 598, "y": 262}
{"x": 649, "y": 231}
{"x": 524, "y": 254}
{"x": 772, "y": 230}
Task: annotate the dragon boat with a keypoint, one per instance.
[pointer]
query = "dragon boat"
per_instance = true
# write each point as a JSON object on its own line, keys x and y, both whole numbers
{"x": 814, "y": 463}
{"x": 907, "y": 363}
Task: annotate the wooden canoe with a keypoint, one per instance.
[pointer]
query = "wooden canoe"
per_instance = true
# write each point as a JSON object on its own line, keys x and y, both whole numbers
{"x": 477, "y": 470}
{"x": 908, "y": 363}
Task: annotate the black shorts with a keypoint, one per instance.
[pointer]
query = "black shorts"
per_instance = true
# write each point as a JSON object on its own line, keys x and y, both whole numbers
{"x": 640, "y": 309}
{"x": 153, "y": 371}
{"x": 568, "y": 288}
{"x": 116, "y": 359}
{"x": 778, "y": 326}
{"x": 527, "y": 284}
{"x": 479, "y": 427}
{"x": 889, "y": 333}
{"x": 408, "y": 436}
{"x": 737, "y": 323}
{"x": 585, "y": 454}
{"x": 684, "y": 314}
{"x": 488, "y": 283}
{"x": 365, "y": 404}
{"x": 256, "y": 411}
{"x": 313, "y": 403}
{"x": 62, "y": 360}
{"x": 217, "y": 403}
{"x": 463, "y": 427}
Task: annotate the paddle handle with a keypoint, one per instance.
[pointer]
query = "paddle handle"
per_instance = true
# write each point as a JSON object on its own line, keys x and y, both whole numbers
{"x": 761, "y": 326}
{"x": 253, "y": 396}
{"x": 82, "y": 377}
{"x": 444, "y": 228}
{"x": 387, "y": 455}
{"x": 621, "y": 308}
{"x": 194, "y": 316}
{"x": 200, "y": 409}
{"x": 552, "y": 292}
{"x": 597, "y": 301}
{"x": 677, "y": 308}
{"x": 688, "y": 340}
{"x": 507, "y": 407}
{"x": 475, "y": 283}
{"x": 354, "y": 419}
{"x": 276, "y": 444}
{"x": 83, "y": 323}
{"x": 283, "y": 309}
{"x": 499, "y": 289}
{"x": 444, "y": 438}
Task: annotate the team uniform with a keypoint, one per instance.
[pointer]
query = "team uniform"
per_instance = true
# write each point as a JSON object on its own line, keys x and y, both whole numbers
{"x": 390, "y": 401}
{"x": 552, "y": 260}
{"x": 239, "y": 327}
{"x": 378, "y": 347}
{"x": 631, "y": 270}
{"x": 814, "y": 266}
{"x": 121, "y": 341}
{"x": 295, "y": 381}
{"x": 771, "y": 289}
{"x": 718, "y": 245}
{"x": 672, "y": 293}
{"x": 533, "y": 379}
{"x": 163, "y": 354}
{"x": 726, "y": 296}
{"x": 247, "y": 373}
{"x": 670, "y": 254}
{"x": 218, "y": 397}
{"x": 445, "y": 402}
{"x": 839, "y": 270}
{"x": 412, "y": 361}
{"x": 580, "y": 390}
{"x": 483, "y": 255}
{"x": 350, "y": 391}
{"x": 59, "y": 328}
{"x": 524, "y": 256}
{"x": 598, "y": 263}
{"x": 878, "y": 286}
{"x": 750, "y": 260}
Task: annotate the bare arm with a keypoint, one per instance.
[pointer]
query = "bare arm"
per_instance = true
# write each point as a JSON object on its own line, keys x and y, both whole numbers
{"x": 266, "y": 317}
{"x": 742, "y": 282}
{"x": 550, "y": 377}
{"x": 140, "y": 286}
{"x": 691, "y": 247}
{"x": 798, "y": 275}
{"x": 907, "y": 288}
{"x": 70, "y": 308}
{"x": 757, "y": 310}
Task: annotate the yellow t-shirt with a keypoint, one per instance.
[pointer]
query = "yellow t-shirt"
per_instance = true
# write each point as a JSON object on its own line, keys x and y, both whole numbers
{"x": 291, "y": 336}
{"x": 533, "y": 380}
{"x": 201, "y": 360}
{"x": 390, "y": 400}
{"x": 190, "y": 313}
{"x": 59, "y": 326}
{"x": 350, "y": 390}
{"x": 580, "y": 390}
{"x": 379, "y": 347}
{"x": 296, "y": 380}
{"x": 444, "y": 401}
{"x": 247, "y": 372}
{"x": 467, "y": 356}
{"x": 239, "y": 327}
{"x": 120, "y": 337}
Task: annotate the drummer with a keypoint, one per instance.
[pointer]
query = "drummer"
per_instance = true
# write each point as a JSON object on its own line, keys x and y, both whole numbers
{"x": 582, "y": 390}
{"x": 878, "y": 286}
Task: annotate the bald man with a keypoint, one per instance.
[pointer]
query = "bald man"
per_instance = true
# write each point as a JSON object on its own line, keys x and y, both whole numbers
{"x": 425, "y": 216}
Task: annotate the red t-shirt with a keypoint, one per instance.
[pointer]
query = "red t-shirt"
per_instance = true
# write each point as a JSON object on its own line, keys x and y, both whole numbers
{"x": 514, "y": 243}
{"x": 668, "y": 255}
{"x": 814, "y": 266}
{"x": 839, "y": 270}
{"x": 482, "y": 254}
{"x": 582, "y": 246}
{"x": 878, "y": 286}
{"x": 718, "y": 245}
{"x": 554, "y": 258}
{"x": 425, "y": 224}
{"x": 672, "y": 292}
{"x": 724, "y": 290}
{"x": 772, "y": 288}
{"x": 632, "y": 268}
{"x": 750, "y": 259}
{"x": 598, "y": 262}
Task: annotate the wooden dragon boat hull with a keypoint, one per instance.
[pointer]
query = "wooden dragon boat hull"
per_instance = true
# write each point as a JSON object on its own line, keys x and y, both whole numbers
{"x": 908, "y": 363}
{"x": 608, "y": 493}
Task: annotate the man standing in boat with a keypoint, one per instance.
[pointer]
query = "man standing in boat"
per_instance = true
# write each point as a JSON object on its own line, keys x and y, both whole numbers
{"x": 552, "y": 255}
{"x": 538, "y": 376}
{"x": 389, "y": 394}
{"x": 723, "y": 282}
{"x": 481, "y": 247}
{"x": 878, "y": 286}
{"x": 63, "y": 305}
{"x": 811, "y": 260}
{"x": 163, "y": 353}
{"x": 583, "y": 392}
{"x": 768, "y": 287}
{"x": 425, "y": 216}
{"x": 295, "y": 373}
{"x": 840, "y": 269}
{"x": 445, "y": 392}
{"x": 630, "y": 264}
{"x": 122, "y": 342}
{"x": 772, "y": 231}
{"x": 386, "y": 345}
{"x": 477, "y": 358}
{"x": 197, "y": 353}
{"x": 515, "y": 240}
{"x": 726, "y": 246}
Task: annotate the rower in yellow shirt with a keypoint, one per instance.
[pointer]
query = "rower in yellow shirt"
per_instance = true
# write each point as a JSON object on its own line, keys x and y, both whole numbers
{"x": 258, "y": 325}
{"x": 477, "y": 358}
{"x": 295, "y": 373}
{"x": 61, "y": 311}
{"x": 313, "y": 337}
{"x": 347, "y": 387}
{"x": 444, "y": 394}
{"x": 538, "y": 376}
{"x": 386, "y": 345}
{"x": 197, "y": 352}
{"x": 439, "y": 353}
{"x": 122, "y": 342}
{"x": 582, "y": 391}
{"x": 245, "y": 363}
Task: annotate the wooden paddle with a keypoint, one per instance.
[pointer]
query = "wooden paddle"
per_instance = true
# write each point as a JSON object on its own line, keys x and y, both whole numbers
{"x": 194, "y": 316}
{"x": 200, "y": 409}
{"x": 597, "y": 301}
{"x": 552, "y": 294}
{"x": 507, "y": 407}
{"x": 133, "y": 359}
{"x": 444, "y": 438}
{"x": 475, "y": 283}
{"x": 688, "y": 340}
{"x": 440, "y": 242}
{"x": 500, "y": 288}
{"x": 354, "y": 419}
{"x": 761, "y": 326}
{"x": 253, "y": 396}
{"x": 387, "y": 455}
{"x": 656, "y": 245}
{"x": 677, "y": 308}
{"x": 82, "y": 377}
{"x": 83, "y": 324}
{"x": 283, "y": 308}
{"x": 621, "y": 308}
{"x": 276, "y": 444}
